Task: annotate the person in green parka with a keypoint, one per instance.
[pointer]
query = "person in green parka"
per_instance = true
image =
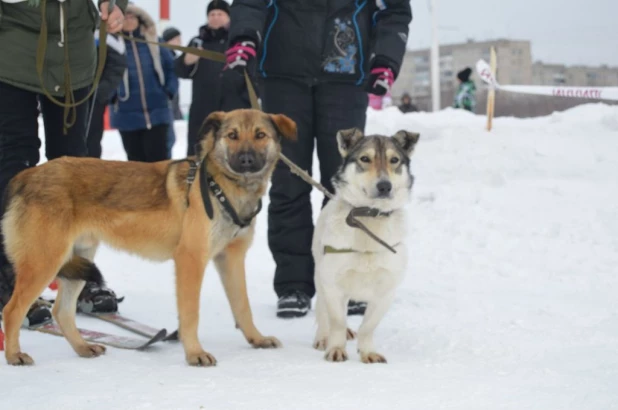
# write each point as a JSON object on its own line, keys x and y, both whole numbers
{"x": 465, "y": 96}
{"x": 64, "y": 42}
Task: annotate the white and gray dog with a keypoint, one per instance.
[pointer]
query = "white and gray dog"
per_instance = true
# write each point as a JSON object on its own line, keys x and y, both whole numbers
{"x": 375, "y": 176}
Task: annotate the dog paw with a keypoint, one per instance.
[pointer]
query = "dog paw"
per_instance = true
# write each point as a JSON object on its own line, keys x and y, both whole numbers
{"x": 336, "y": 354}
{"x": 268, "y": 342}
{"x": 372, "y": 357}
{"x": 20, "y": 359}
{"x": 350, "y": 334}
{"x": 320, "y": 344}
{"x": 203, "y": 359}
{"x": 90, "y": 350}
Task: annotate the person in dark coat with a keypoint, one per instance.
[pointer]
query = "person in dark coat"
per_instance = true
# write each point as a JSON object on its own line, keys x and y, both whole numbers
{"x": 205, "y": 74}
{"x": 24, "y": 96}
{"x": 115, "y": 65}
{"x": 406, "y": 104}
{"x": 316, "y": 61}
{"x": 142, "y": 112}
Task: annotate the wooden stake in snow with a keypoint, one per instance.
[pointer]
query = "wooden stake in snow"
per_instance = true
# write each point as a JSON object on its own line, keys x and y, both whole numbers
{"x": 491, "y": 96}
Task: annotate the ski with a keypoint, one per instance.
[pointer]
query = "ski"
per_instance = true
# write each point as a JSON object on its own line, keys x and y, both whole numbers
{"x": 120, "y": 342}
{"x": 126, "y": 323}
{"x": 131, "y": 325}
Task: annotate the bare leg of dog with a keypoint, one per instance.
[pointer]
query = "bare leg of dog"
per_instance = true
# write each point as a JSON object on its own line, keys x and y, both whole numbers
{"x": 376, "y": 309}
{"x": 334, "y": 301}
{"x": 231, "y": 267}
{"x": 86, "y": 247}
{"x": 64, "y": 314}
{"x": 32, "y": 278}
{"x": 321, "y": 315}
{"x": 190, "y": 266}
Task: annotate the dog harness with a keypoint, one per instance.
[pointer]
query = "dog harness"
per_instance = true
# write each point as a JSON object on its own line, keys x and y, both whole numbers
{"x": 355, "y": 223}
{"x": 207, "y": 183}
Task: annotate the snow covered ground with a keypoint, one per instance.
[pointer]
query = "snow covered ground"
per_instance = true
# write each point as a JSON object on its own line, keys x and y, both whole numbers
{"x": 510, "y": 300}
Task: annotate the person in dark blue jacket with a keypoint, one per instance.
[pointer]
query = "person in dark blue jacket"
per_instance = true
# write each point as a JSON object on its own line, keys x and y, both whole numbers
{"x": 142, "y": 112}
{"x": 316, "y": 61}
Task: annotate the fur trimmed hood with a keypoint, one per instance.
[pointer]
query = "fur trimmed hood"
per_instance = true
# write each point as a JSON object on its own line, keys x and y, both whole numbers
{"x": 148, "y": 29}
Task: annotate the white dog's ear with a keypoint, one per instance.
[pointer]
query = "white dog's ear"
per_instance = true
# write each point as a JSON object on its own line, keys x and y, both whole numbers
{"x": 407, "y": 141}
{"x": 347, "y": 138}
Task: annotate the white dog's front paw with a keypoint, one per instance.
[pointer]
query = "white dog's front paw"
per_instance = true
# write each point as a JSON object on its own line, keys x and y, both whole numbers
{"x": 372, "y": 357}
{"x": 336, "y": 354}
{"x": 320, "y": 343}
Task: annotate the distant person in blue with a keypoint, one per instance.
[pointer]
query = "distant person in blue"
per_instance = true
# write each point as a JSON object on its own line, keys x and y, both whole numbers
{"x": 141, "y": 111}
{"x": 171, "y": 35}
{"x": 316, "y": 62}
{"x": 465, "y": 98}
{"x": 113, "y": 71}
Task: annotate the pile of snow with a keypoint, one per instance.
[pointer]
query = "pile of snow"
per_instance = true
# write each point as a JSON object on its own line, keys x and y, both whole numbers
{"x": 509, "y": 303}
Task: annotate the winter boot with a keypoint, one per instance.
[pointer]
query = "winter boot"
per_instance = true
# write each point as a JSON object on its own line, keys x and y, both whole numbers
{"x": 356, "y": 308}
{"x": 293, "y": 304}
{"x": 97, "y": 299}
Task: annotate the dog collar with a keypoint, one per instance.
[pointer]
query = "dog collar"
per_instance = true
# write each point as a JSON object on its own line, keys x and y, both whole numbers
{"x": 208, "y": 183}
{"x": 370, "y": 212}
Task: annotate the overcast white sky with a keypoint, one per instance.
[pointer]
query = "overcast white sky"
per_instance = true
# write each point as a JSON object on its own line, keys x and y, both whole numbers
{"x": 561, "y": 31}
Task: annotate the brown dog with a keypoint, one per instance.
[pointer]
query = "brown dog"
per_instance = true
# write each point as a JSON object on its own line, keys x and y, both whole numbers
{"x": 58, "y": 212}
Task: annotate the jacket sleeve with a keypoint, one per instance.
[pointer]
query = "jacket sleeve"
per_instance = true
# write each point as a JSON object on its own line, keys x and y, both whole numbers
{"x": 247, "y": 20}
{"x": 392, "y": 19}
{"x": 171, "y": 80}
{"x": 180, "y": 68}
{"x": 115, "y": 66}
{"x": 120, "y": 3}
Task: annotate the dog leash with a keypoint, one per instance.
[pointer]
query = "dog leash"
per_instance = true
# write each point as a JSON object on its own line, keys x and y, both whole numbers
{"x": 351, "y": 219}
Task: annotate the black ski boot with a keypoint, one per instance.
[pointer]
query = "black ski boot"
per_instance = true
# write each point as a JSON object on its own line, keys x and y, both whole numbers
{"x": 356, "y": 307}
{"x": 97, "y": 299}
{"x": 293, "y": 304}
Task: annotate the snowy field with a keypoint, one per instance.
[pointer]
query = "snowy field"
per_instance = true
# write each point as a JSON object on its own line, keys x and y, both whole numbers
{"x": 510, "y": 302}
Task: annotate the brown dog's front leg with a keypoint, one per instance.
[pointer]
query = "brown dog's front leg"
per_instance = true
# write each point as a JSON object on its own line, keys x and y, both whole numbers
{"x": 231, "y": 267}
{"x": 190, "y": 267}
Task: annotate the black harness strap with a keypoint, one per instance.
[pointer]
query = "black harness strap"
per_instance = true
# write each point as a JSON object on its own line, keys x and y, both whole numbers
{"x": 208, "y": 183}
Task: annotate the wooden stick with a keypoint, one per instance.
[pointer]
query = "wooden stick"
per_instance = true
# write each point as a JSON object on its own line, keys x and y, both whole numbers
{"x": 491, "y": 96}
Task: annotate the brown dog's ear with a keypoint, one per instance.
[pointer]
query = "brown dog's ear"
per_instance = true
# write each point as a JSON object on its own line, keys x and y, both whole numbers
{"x": 407, "y": 140}
{"x": 346, "y": 140}
{"x": 207, "y": 132}
{"x": 284, "y": 126}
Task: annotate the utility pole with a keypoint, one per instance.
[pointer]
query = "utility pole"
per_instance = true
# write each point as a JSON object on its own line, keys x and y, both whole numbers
{"x": 435, "y": 58}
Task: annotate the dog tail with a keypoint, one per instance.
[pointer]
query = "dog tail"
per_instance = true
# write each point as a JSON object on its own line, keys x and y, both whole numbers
{"x": 78, "y": 268}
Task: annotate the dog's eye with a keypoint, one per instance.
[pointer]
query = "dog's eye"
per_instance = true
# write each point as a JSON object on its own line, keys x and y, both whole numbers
{"x": 365, "y": 159}
{"x": 232, "y": 135}
{"x": 394, "y": 160}
{"x": 260, "y": 135}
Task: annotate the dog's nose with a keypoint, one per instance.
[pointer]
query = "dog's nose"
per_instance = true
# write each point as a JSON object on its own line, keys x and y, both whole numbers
{"x": 384, "y": 188}
{"x": 246, "y": 159}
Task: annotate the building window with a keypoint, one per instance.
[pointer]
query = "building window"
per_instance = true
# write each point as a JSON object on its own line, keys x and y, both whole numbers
{"x": 421, "y": 60}
{"x": 559, "y": 79}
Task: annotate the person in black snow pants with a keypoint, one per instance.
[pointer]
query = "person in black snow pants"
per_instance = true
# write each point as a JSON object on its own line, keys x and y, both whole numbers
{"x": 205, "y": 74}
{"x": 316, "y": 61}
